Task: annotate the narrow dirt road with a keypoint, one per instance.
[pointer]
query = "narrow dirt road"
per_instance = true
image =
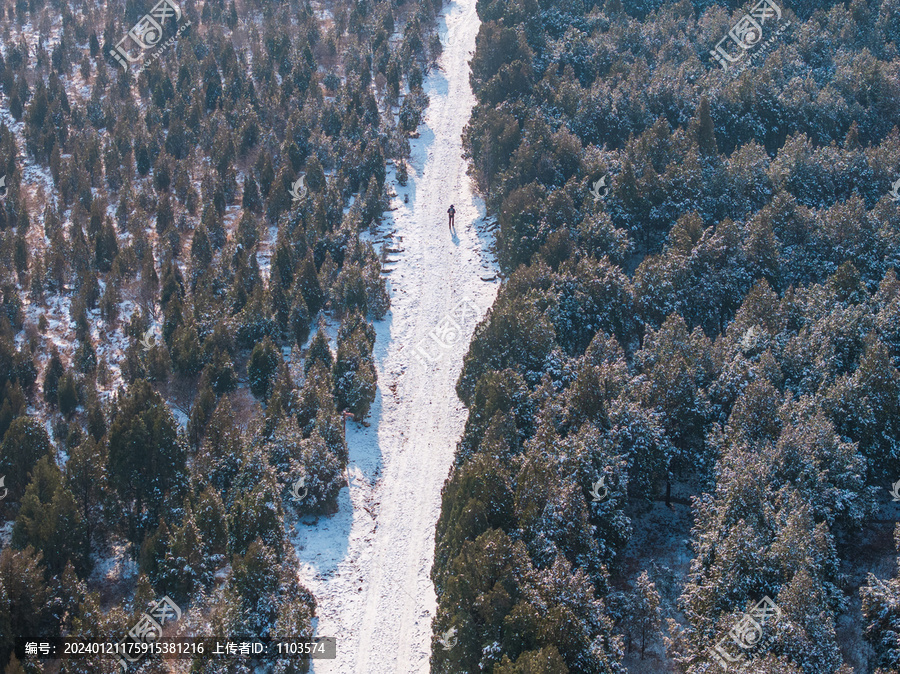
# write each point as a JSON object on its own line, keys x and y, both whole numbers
{"x": 369, "y": 564}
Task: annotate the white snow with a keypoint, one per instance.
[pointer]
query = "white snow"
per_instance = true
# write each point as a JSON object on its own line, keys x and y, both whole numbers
{"x": 115, "y": 567}
{"x": 369, "y": 565}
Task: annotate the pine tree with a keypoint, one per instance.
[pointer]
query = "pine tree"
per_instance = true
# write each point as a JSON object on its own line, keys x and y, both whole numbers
{"x": 248, "y": 229}
{"x": 86, "y": 479}
{"x": 184, "y": 568}
{"x": 706, "y": 131}
{"x": 210, "y": 516}
{"x": 881, "y": 612}
{"x": 251, "y": 592}
{"x": 52, "y": 375}
{"x": 315, "y": 175}
{"x": 547, "y": 660}
{"x": 319, "y": 352}
{"x": 299, "y": 320}
{"x": 643, "y": 617}
{"x": 49, "y": 521}
{"x": 201, "y": 250}
{"x": 25, "y": 442}
{"x": 187, "y": 357}
{"x": 201, "y": 412}
{"x": 221, "y": 451}
{"x": 146, "y": 457}
{"x": 354, "y": 374}
{"x": 261, "y": 368}
{"x": 26, "y": 605}
{"x": 255, "y": 514}
{"x": 67, "y": 395}
{"x": 309, "y": 286}
{"x": 153, "y": 552}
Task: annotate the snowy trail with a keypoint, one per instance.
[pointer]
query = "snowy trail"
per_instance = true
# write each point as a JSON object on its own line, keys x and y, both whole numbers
{"x": 369, "y": 565}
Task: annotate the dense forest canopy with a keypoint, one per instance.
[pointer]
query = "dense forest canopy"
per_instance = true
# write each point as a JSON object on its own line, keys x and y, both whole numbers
{"x": 700, "y": 298}
{"x": 696, "y": 339}
{"x": 188, "y": 286}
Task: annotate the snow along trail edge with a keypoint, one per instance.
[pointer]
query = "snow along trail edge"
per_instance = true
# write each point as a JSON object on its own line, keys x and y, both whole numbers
{"x": 369, "y": 565}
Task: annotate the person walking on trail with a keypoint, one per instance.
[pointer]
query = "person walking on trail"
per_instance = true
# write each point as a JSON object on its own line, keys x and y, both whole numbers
{"x": 451, "y": 212}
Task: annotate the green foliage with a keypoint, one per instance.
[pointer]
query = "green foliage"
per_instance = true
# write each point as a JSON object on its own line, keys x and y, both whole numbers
{"x": 350, "y": 290}
{"x": 642, "y": 614}
{"x": 210, "y": 516}
{"x": 26, "y": 605}
{"x": 319, "y": 352}
{"x": 186, "y": 565}
{"x": 261, "y": 367}
{"x": 256, "y": 513}
{"x": 81, "y": 618}
{"x": 186, "y": 353}
{"x": 520, "y": 226}
{"x": 254, "y": 584}
{"x": 52, "y": 375}
{"x": 478, "y": 497}
{"x": 254, "y": 322}
{"x": 219, "y": 373}
{"x": 412, "y": 110}
{"x": 12, "y": 406}
{"x": 157, "y": 221}
{"x": 324, "y": 465}
{"x": 299, "y": 320}
{"x": 67, "y": 394}
{"x": 354, "y": 373}
{"x": 544, "y": 661}
{"x": 316, "y": 394}
{"x": 200, "y": 415}
{"x": 711, "y": 320}
{"x": 881, "y": 612}
{"x": 146, "y": 457}
{"x": 517, "y": 335}
{"x": 153, "y": 551}
{"x": 499, "y": 596}
{"x": 221, "y": 450}
{"x": 49, "y": 521}
{"x": 24, "y": 444}
{"x": 315, "y": 175}
{"x": 309, "y": 286}
{"x": 86, "y": 478}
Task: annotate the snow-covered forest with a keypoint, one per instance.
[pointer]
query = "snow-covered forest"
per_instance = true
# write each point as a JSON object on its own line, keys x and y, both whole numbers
{"x": 191, "y": 268}
{"x": 685, "y": 398}
{"x": 655, "y": 423}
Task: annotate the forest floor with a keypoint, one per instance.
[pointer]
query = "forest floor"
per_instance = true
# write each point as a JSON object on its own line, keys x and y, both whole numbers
{"x": 369, "y": 564}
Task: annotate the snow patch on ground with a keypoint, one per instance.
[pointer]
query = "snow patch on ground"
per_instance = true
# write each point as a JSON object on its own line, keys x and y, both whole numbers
{"x": 6, "y": 533}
